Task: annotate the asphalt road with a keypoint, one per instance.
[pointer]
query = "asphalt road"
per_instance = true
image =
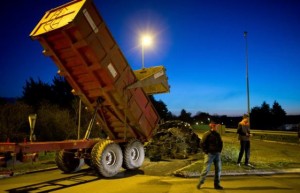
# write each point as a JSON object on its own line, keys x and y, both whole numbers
{"x": 138, "y": 182}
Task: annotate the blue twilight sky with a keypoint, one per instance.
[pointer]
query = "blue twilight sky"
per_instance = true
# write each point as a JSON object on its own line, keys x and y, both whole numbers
{"x": 200, "y": 42}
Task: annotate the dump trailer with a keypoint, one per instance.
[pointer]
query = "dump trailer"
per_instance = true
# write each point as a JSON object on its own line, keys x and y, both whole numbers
{"x": 78, "y": 41}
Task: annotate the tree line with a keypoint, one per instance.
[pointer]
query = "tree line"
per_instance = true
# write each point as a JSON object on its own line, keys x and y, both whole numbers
{"x": 262, "y": 118}
{"x": 57, "y": 114}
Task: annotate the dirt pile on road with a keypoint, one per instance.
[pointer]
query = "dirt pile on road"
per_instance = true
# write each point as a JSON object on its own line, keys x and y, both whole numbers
{"x": 173, "y": 139}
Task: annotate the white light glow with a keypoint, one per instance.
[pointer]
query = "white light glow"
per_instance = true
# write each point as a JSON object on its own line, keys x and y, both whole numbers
{"x": 146, "y": 40}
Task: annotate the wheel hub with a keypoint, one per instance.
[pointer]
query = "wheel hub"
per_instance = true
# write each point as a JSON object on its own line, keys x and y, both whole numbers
{"x": 110, "y": 158}
{"x": 135, "y": 154}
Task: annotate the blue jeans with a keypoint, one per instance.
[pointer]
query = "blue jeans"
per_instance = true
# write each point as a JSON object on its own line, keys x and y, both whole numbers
{"x": 208, "y": 160}
{"x": 245, "y": 147}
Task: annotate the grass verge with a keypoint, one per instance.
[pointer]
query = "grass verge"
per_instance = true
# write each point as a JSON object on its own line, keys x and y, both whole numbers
{"x": 264, "y": 155}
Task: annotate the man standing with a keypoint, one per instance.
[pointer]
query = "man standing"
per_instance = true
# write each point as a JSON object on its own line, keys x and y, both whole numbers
{"x": 212, "y": 146}
{"x": 243, "y": 131}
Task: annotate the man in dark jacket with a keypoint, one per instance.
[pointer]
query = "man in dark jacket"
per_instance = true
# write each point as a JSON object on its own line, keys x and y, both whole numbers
{"x": 212, "y": 146}
{"x": 243, "y": 131}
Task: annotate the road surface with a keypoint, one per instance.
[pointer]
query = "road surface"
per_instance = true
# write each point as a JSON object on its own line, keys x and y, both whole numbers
{"x": 138, "y": 182}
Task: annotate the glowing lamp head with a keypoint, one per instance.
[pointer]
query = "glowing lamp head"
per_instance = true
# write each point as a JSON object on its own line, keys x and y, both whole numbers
{"x": 146, "y": 40}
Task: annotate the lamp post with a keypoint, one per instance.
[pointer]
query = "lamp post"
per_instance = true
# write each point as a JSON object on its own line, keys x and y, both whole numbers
{"x": 247, "y": 77}
{"x": 146, "y": 41}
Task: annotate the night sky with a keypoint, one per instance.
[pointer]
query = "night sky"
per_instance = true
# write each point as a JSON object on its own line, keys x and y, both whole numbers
{"x": 200, "y": 42}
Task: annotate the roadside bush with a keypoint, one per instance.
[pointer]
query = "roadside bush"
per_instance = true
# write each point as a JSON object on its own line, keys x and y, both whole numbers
{"x": 14, "y": 121}
{"x": 54, "y": 124}
{"x": 230, "y": 154}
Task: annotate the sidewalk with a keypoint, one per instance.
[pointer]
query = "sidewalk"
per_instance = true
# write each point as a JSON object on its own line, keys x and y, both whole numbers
{"x": 189, "y": 174}
{"x": 186, "y": 174}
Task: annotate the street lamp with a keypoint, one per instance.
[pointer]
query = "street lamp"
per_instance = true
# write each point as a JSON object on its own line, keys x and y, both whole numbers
{"x": 247, "y": 78}
{"x": 146, "y": 40}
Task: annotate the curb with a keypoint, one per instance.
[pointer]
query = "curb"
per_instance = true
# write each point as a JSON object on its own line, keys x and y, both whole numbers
{"x": 187, "y": 174}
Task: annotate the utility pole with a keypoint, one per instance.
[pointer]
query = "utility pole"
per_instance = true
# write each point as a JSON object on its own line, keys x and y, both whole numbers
{"x": 247, "y": 77}
{"x": 146, "y": 40}
{"x": 143, "y": 56}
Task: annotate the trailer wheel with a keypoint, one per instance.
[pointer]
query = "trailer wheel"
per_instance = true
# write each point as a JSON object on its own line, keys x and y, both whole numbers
{"x": 133, "y": 154}
{"x": 66, "y": 161}
{"x": 107, "y": 158}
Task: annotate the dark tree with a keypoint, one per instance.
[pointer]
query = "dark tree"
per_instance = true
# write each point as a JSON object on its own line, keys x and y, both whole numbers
{"x": 185, "y": 116}
{"x": 35, "y": 92}
{"x": 161, "y": 109}
{"x": 278, "y": 115}
{"x": 260, "y": 117}
{"x": 219, "y": 119}
{"x": 3, "y": 101}
{"x": 61, "y": 89}
{"x": 255, "y": 118}
{"x": 201, "y": 117}
{"x": 265, "y": 117}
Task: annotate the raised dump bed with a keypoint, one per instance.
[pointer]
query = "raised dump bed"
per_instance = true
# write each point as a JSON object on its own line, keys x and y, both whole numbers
{"x": 76, "y": 38}
{"x": 78, "y": 41}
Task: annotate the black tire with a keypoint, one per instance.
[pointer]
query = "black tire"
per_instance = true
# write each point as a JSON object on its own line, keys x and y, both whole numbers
{"x": 66, "y": 161}
{"x": 107, "y": 158}
{"x": 88, "y": 162}
{"x": 133, "y": 155}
